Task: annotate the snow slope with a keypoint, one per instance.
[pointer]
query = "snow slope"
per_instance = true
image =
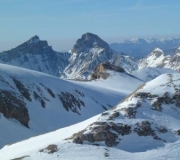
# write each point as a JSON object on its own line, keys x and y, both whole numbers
{"x": 146, "y": 125}
{"x": 119, "y": 82}
{"x": 34, "y": 103}
{"x": 150, "y": 73}
{"x": 155, "y": 59}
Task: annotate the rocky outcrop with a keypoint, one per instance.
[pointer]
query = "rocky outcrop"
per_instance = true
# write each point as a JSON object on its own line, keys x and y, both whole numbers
{"x": 13, "y": 106}
{"x": 71, "y": 102}
{"x": 100, "y": 70}
{"x": 102, "y": 131}
{"x": 50, "y": 149}
{"x": 147, "y": 112}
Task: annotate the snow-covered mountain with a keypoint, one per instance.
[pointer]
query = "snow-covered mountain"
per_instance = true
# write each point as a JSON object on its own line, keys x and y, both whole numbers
{"x": 157, "y": 58}
{"x": 89, "y": 51}
{"x": 145, "y": 125}
{"x": 36, "y": 55}
{"x": 33, "y": 103}
{"x": 150, "y": 116}
{"x": 79, "y": 63}
{"x": 139, "y": 48}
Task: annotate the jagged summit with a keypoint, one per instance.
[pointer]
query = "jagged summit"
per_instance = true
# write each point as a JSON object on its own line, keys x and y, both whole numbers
{"x": 35, "y": 54}
{"x": 34, "y": 39}
{"x": 32, "y": 45}
{"x": 157, "y": 52}
{"x": 88, "y": 41}
{"x": 177, "y": 51}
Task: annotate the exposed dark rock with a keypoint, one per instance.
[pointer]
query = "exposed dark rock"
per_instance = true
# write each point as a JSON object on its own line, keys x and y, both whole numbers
{"x": 102, "y": 131}
{"x": 177, "y": 132}
{"x": 22, "y": 89}
{"x": 50, "y": 149}
{"x": 144, "y": 129}
{"x": 88, "y": 41}
{"x": 43, "y": 104}
{"x": 129, "y": 112}
{"x": 100, "y": 70}
{"x": 20, "y": 158}
{"x": 49, "y": 91}
{"x": 157, "y": 105}
{"x": 13, "y": 106}
{"x": 113, "y": 115}
{"x": 70, "y": 102}
{"x": 145, "y": 95}
{"x": 161, "y": 129}
{"x": 165, "y": 99}
{"x": 176, "y": 98}
{"x": 39, "y": 98}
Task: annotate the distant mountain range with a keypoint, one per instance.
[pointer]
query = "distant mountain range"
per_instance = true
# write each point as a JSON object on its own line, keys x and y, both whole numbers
{"x": 89, "y": 51}
{"x": 139, "y": 48}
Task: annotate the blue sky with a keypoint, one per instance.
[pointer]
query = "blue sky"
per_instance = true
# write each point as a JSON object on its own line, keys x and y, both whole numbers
{"x": 62, "y": 22}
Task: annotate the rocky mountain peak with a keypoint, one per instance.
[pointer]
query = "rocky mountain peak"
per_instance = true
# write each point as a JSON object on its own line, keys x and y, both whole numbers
{"x": 100, "y": 70}
{"x": 88, "y": 41}
{"x": 34, "y": 39}
{"x": 158, "y": 52}
{"x": 34, "y": 46}
{"x": 177, "y": 51}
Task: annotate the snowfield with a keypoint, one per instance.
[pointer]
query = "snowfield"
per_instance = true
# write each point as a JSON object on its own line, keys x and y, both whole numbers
{"x": 154, "y": 123}
{"x": 53, "y": 103}
{"x": 30, "y": 149}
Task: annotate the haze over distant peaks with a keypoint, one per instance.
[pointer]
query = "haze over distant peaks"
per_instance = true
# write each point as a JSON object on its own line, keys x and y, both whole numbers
{"x": 139, "y": 47}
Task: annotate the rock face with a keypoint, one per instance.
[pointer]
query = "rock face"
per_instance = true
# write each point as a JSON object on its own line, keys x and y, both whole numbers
{"x": 100, "y": 70}
{"x": 36, "y": 55}
{"x": 12, "y": 105}
{"x": 147, "y": 112}
{"x": 89, "y": 51}
{"x": 88, "y": 41}
{"x": 157, "y": 58}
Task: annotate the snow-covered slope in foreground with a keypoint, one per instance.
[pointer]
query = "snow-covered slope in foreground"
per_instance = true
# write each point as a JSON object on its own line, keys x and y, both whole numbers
{"x": 33, "y": 103}
{"x": 146, "y": 125}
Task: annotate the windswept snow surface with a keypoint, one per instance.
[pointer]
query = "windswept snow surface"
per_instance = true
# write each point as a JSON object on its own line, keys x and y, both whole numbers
{"x": 30, "y": 149}
{"x": 119, "y": 82}
{"x": 96, "y": 98}
{"x": 150, "y": 73}
{"x": 165, "y": 145}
